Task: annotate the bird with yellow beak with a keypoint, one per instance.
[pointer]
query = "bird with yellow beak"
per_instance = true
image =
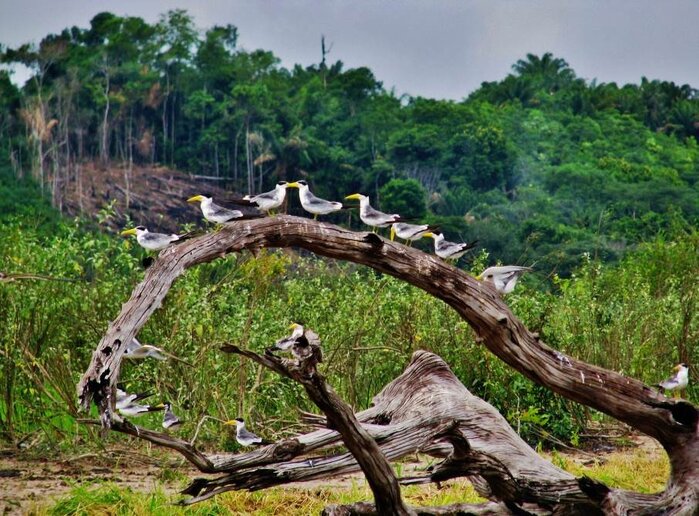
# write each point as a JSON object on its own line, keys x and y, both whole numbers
{"x": 213, "y": 212}
{"x": 448, "y": 250}
{"x": 312, "y": 203}
{"x": 677, "y": 382}
{"x": 151, "y": 241}
{"x": 371, "y": 216}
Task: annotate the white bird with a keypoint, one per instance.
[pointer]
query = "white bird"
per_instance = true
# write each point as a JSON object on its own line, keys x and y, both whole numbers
{"x": 503, "y": 278}
{"x": 410, "y": 232}
{"x": 169, "y": 417}
{"x": 244, "y": 436}
{"x": 134, "y": 409}
{"x": 269, "y": 200}
{"x": 153, "y": 241}
{"x": 213, "y": 212}
{"x": 124, "y": 399}
{"x": 448, "y": 250}
{"x": 285, "y": 343}
{"x": 137, "y": 351}
{"x": 678, "y": 381}
{"x": 371, "y": 216}
{"x": 313, "y": 204}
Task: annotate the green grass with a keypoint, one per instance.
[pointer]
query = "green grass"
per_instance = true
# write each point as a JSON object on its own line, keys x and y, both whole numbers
{"x": 110, "y": 499}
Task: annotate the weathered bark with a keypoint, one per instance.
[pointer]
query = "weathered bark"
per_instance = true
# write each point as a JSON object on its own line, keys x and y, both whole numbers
{"x": 673, "y": 423}
{"x": 340, "y": 416}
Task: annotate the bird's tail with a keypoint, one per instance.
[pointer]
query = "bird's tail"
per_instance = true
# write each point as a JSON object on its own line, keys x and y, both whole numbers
{"x": 471, "y": 245}
{"x": 142, "y": 396}
{"x": 188, "y": 235}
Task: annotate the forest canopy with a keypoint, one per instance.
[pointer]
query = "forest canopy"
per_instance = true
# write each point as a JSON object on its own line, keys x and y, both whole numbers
{"x": 542, "y": 166}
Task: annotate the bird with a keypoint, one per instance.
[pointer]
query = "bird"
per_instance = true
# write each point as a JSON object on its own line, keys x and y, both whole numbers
{"x": 137, "y": 351}
{"x": 244, "y": 436}
{"x": 153, "y": 241}
{"x": 410, "y": 232}
{"x": 271, "y": 200}
{"x": 124, "y": 399}
{"x": 285, "y": 343}
{"x": 134, "y": 409}
{"x": 215, "y": 213}
{"x": 677, "y": 382}
{"x": 303, "y": 348}
{"x": 503, "y": 278}
{"x": 371, "y": 216}
{"x": 313, "y": 204}
{"x": 169, "y": 417}
{"x": 448, "y": 250}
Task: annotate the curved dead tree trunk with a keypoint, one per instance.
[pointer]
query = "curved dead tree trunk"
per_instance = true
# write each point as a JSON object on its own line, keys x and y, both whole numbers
{"x": 673, "y": 423}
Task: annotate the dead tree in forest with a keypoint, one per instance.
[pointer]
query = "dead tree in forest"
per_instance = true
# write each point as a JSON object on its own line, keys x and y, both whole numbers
{"x": 674, "y": 423}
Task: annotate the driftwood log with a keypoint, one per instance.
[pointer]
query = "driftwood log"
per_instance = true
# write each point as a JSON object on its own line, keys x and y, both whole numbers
{"x": 674, "y": 423}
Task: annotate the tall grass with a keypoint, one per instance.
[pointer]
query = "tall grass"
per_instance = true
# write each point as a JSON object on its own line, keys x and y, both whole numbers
{"x": 636, "y": 318}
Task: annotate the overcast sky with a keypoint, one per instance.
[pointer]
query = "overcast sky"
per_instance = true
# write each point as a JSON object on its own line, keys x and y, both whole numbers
{"x": 432, "y": 48}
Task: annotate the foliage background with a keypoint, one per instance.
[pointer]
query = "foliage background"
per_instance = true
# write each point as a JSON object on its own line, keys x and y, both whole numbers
{"x": 595, "y": 184}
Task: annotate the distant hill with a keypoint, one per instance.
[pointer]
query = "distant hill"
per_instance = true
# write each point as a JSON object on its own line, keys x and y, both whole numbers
{"x": 540, "y": 167}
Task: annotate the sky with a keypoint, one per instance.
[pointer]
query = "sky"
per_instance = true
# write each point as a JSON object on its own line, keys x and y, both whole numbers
{"x": 430, "y": 48}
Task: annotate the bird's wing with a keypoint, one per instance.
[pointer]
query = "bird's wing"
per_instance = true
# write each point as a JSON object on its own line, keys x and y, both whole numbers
{"x": 220, "y": 211}
{"x": 670, "y": 383}
{"x": 311, "y": 337}
{"x": 284, "y": 343}
{"x": 162, "y": 354}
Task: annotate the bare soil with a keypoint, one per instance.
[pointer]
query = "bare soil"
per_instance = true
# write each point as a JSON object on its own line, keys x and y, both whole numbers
{"x": 152, "y": 196}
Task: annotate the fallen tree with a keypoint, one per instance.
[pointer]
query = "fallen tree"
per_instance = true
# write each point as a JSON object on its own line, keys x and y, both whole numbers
{"x": 674, "y": 423}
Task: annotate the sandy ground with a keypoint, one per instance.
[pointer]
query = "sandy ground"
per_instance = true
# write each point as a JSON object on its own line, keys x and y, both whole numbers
{"x": 26, "y": 481}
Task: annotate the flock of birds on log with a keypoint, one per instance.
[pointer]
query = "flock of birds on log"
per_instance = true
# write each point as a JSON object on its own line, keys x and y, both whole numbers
{"x": 300, "y": 341}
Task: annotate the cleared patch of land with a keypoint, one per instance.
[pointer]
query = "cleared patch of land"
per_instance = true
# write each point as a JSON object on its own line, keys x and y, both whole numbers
{"x": 127, "y": 481}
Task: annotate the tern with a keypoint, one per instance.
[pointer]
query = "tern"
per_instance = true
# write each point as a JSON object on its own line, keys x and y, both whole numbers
{"x": 244, "y": 436}
{"x": 153, "y": 241}
{"x": 503, "y": 278}
{"x": 313, "y": 204}
{"x": 448, "y": 250}
{"x": 124, "y": 399}
{"x": 137, "y": 351}
{"x": 271, "y": 200}
{"x": 215, "y": 213}
{"x": 285, "y": 343}
{"x": 410, "y": 232}
{"x": 169, "y": 417}
{"x": 677, "y": 382}
{"x": 371, "y": 216}
{"x": 134, "y": 409}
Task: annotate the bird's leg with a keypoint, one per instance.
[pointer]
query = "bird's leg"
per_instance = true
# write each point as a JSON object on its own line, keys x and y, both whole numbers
{"x": 409, "y": 243}
{"x": 315, "y": 216}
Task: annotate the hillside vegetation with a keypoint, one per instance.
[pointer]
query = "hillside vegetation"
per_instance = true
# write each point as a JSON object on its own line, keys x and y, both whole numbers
{"x": 594, "y": 183}
{"x": 540, "y": 167}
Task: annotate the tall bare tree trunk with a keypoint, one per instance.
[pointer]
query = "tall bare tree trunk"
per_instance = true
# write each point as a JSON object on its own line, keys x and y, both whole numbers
{"x": 104, "y": 140}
